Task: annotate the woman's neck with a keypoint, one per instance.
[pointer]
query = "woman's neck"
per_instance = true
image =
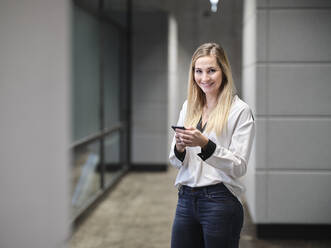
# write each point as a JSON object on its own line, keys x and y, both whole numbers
{"x": 211, "y": 102}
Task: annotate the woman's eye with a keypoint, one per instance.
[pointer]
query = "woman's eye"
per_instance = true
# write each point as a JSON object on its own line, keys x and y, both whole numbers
{"x": 197, "y": 71}
{"x": 212, "y": 70}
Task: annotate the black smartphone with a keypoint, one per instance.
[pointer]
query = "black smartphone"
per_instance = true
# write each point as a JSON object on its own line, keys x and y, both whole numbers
{"x": 179, "y": 127}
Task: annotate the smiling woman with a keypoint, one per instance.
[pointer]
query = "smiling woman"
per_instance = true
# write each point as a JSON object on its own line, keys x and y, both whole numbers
{"x": 208, "y": 75}
{"x": 211, "y": 153}
{"x": 215, "y": 72}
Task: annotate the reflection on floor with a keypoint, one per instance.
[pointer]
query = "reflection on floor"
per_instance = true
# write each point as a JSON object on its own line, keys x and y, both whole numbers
{"x": 138, "y": 213}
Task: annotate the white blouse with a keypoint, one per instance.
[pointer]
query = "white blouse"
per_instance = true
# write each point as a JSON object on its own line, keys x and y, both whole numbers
{"x": 229, "y": 160}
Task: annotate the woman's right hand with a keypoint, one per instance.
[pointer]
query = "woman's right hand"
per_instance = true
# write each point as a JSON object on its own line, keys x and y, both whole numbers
{"x": 179, "y": 144}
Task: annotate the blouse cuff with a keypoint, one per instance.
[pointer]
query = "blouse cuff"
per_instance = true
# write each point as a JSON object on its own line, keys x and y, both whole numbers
{"x": 179, "y": 155}
{"x": 207, "y": 150}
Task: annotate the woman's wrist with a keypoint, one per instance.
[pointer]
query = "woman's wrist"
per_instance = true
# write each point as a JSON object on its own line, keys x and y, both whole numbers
{"x": 180, "y": 149}
{"x": 204, "y": 142}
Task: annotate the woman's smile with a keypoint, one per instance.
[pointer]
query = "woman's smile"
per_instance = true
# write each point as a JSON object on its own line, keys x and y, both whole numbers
{"x": 208, "y": 84}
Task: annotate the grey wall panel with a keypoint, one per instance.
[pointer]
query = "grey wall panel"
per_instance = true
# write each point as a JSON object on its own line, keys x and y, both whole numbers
{"x": 293, "y": 119}
{"x": 261, "y": 143}
{"x": 297, "y": 3}
{"x": 295, "y": 197}
{"x": 150, "y": 148}
{"x": 261, "y": 197}
{"x": 150, "y": 88}
{"x": 299, "y": 89}
{"x": 261, "y": 90}
{"x": 293, "y": 89}
{"x": 146, "y": 119}
{"x": 299, "y": 143}
{"x": 262, "y": 3}
{"x": 249, "y": 87}
{"x": 145, "y": 21}
{"x": 300, "y": 35}
{"x": 149, "y": 55}
{"x": 249, "y": 180}
{"x": 262, "y": 30}
{"x": 35, "y": 125}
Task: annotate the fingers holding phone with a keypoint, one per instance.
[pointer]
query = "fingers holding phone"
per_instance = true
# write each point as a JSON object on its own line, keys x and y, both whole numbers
{"x": 191, "y": 137}
{"x": 180, "y": 146}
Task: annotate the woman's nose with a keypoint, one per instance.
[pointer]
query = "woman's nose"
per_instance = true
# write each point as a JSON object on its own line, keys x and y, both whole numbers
{"x": 205, "y": 77}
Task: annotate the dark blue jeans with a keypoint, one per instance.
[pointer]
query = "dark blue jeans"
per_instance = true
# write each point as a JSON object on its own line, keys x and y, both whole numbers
{"x": 207, "y": 217}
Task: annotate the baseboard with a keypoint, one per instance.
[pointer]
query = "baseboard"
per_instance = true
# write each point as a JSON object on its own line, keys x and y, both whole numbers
{"x": 110, "y": 167}
{"x": 149, "y": 167}
{"x": 293, "y": 231}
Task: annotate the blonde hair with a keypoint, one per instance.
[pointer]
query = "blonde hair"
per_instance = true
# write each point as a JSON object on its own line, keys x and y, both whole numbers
{"x": 196, "y": 100}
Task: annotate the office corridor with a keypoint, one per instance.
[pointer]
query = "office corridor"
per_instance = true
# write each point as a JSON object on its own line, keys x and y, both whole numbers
{"x": 138, "y": 213}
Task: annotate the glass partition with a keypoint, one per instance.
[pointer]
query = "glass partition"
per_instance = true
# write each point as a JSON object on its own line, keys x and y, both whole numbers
{"x": 86, "y": 74}
{"x": 112, "y": 76}
{"x": 99, "y": 86}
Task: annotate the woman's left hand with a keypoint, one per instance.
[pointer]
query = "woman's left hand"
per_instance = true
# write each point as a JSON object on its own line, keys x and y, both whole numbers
{"x": 192, "y": 137}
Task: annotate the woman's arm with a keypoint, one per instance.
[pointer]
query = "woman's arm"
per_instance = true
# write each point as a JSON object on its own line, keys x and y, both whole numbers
{"x": 233, "y": 161}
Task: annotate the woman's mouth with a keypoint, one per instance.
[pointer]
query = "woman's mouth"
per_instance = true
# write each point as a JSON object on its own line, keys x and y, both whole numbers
{"x": 206, "y": 84}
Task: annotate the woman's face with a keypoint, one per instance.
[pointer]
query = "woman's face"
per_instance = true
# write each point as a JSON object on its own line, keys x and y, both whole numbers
{"x": 208, "y": 75}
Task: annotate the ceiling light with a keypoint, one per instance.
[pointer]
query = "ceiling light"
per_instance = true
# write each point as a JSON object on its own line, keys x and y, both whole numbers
{"x": 213, "y": 4}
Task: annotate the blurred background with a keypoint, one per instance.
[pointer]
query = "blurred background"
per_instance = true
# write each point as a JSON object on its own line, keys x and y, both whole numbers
{"x": 89, "y": 89}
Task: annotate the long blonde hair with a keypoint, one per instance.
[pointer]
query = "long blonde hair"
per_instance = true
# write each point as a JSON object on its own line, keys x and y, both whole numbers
{"x": 196, "y": 100}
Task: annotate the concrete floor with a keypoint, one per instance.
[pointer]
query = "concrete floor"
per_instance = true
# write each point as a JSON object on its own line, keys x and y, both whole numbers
{"x": 138, "y": 213}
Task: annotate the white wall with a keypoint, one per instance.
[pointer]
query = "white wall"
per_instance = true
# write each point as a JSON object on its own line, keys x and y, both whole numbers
{"x": 34, "y": 126}
{"x": 287, "y": 80}
{"x": 248, "y": 94}
{"x": 150, "y": 88}
{"x": 173, "y": 93}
